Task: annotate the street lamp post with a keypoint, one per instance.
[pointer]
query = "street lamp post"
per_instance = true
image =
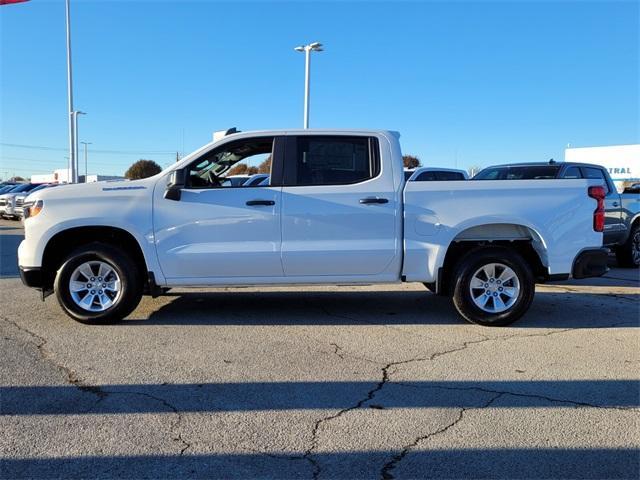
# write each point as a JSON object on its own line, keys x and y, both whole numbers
{"x": 307, "y": 49}
{"x": 75, "y": 149}
{"x": 73, "y": 174}
{"x": 86, "y": 171}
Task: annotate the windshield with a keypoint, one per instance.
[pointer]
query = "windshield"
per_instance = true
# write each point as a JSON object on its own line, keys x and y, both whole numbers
{"x": 40, "y": 187}
{"x": 25, "y": 187}
{"x": 529, "y": 172}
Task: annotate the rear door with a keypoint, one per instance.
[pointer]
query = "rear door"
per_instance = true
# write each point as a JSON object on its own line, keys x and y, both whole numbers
{"x": 338, "y": 208}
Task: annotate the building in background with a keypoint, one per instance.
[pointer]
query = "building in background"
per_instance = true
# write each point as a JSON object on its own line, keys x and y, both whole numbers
{"x": 622, "y": 161}
{"x": 62, "y": 176}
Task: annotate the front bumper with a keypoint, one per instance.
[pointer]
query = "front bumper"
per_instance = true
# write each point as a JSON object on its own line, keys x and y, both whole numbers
{"x": 31, "y": 277}
{"x": 591, "y": 263}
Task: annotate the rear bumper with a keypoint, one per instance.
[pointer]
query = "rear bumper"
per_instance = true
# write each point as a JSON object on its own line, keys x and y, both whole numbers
{"x": 31, "y": 276}
{"x": 590, "y": 263}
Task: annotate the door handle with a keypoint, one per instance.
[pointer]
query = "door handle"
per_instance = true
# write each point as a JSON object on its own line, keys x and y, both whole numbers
{"x": 255, "y": 203}
{"x": 615, "y": 204}
{"x": 370, "y": 200}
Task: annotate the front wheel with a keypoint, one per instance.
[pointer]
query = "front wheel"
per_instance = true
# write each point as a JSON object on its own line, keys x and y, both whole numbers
{"x": 98, "y": 284}
{"x": 493, "y": 286}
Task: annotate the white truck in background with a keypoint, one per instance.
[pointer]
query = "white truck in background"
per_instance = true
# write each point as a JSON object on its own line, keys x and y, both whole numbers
{"x": 336, "y": 210}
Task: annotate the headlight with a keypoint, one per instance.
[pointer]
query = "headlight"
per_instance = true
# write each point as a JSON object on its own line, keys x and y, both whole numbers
{"x": 31, "y": 209}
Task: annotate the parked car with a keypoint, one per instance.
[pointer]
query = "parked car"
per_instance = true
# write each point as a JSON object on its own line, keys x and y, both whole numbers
{"x": 633, "y": 188}
{"x": 19, "y": 199}
{"x": 622, "y": 211}
{"x": 337, "y": 211}
{"x": 234, "y": 180}
{"x": 8, "y": 199}
{"x": 424, "y": 174}
{"x": 7, "y": 187}
{"x": 256, "y": 180}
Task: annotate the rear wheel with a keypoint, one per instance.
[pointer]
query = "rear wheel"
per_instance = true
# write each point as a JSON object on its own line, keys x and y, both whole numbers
{"x": 492, "y": 286}
{"x": 98, "y": 283}
{"x": 628, "y": 254}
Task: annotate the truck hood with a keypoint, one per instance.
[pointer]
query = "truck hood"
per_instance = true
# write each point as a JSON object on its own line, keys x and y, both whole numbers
{"x": 94, "y": 189}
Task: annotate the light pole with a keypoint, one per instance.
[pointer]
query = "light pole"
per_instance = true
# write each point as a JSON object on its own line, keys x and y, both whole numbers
{"x": 73, "y": 174}
{"x": 86, "y": 172}
{"x": 75, "y": 136}
{"x": 307, "y": 49}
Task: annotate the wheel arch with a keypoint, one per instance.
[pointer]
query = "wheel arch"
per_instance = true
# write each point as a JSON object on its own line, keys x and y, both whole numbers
{"x": 523, "y": 239}
{"x": 65, "y": 241}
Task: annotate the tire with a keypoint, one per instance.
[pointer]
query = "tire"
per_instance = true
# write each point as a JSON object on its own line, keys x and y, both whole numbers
{"x": 110, "y": 305}
{"x": 431, "y": 287}
{"x": 473, "y": 268}
{"x": 628, "y": 254}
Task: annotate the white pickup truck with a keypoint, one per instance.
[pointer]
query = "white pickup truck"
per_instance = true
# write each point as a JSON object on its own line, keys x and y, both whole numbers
{"x": 336, "y": 210}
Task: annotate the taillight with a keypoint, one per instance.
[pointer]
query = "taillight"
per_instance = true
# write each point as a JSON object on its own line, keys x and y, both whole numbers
{"x": 598, "y": 215}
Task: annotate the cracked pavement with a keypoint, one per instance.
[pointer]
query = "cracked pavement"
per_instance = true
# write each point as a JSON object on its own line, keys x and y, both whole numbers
{"x": 381, "y": 382}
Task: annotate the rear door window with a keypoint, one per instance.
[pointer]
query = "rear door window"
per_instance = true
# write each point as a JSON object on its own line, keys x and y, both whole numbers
{"x": 330, "y": 160}
{"x": 595, "y": 173}
{"x": 572, "y": 172}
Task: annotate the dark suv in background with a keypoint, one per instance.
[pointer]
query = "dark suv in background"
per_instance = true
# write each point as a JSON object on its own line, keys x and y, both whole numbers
{"x": 622, "y": 211}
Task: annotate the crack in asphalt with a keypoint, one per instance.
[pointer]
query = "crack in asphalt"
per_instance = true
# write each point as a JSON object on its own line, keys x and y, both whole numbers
{"x": 177, "y": 436}
{"x": 337, "y": 350}
{"x": 385, "y": 472}
{"x": 73, "y": 379}
{"x": 518, "y": 394}
{"x": 387, "y": 370}
{"x": 386, "y": 373}
{"x": 71, "y": 375}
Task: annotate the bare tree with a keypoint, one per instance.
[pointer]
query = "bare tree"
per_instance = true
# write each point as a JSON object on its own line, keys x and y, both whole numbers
{"x": 265, "y": 167}
{"x": 411, "y": 161}
{"x": 142, "y": 169}
{"x": 242, "y": 169}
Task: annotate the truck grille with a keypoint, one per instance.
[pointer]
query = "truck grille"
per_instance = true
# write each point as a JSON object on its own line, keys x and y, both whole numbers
{"x": 19, "y": 202}
{"x": 3, "y": 202}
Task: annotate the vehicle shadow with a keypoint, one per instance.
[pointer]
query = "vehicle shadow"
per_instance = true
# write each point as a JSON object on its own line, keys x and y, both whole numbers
{"x": 8, "y": 254}
{"x": 375, "y": 307}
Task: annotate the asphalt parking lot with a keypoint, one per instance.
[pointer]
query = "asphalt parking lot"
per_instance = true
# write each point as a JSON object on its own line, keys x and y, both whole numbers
{"x": 325, "y": 382}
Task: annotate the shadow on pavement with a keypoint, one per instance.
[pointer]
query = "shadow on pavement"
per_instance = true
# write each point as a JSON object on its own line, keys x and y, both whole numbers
{"x": 8, "y": 254}
{"x": 306, "y": 395}
{"x": 542, "y": 463}
{"x": 375, "y": 307}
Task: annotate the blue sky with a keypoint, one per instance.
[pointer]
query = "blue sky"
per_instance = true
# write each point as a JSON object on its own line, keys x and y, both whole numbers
{"x": 466, "y": 83}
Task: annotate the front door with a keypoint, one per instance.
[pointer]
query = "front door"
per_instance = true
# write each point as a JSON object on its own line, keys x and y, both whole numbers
{"x": 338, "y": 211}
{"x": 219, "y": 228}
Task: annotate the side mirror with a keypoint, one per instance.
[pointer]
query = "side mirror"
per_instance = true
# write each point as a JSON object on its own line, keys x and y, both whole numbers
{"x": 176, "y": 183}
